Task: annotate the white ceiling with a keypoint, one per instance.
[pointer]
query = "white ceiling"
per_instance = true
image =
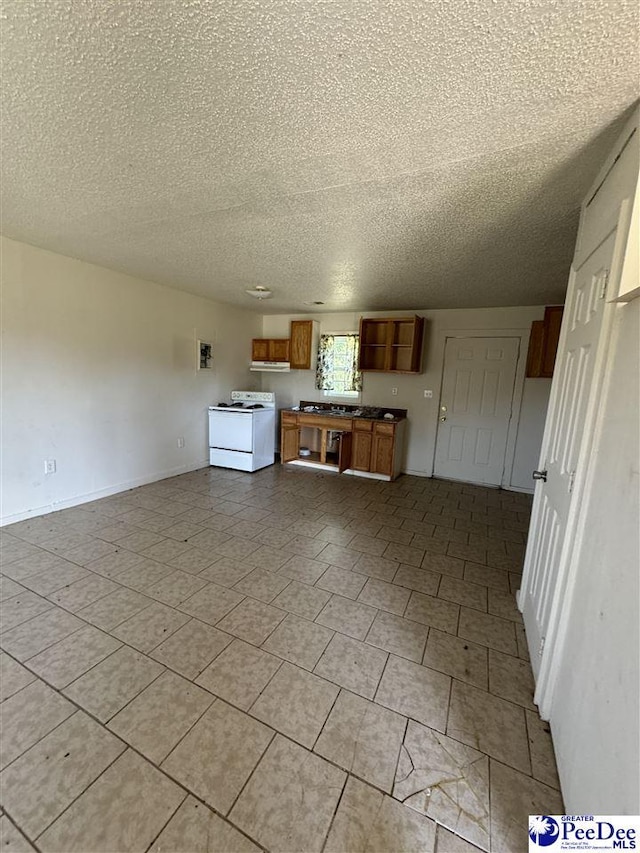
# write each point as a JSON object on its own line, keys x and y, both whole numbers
{"x": 372, "y": 155}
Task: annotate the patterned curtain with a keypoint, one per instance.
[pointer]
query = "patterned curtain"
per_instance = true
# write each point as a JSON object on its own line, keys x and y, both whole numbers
{"x": 337, "y": 368}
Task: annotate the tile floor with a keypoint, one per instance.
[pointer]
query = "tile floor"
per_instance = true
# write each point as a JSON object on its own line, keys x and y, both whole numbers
{"x": 286, "y": 660}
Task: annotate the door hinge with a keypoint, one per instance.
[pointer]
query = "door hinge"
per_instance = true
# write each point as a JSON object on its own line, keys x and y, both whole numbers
{"x": 604, "y": 285}
{"x": 572, "y": 479}
{"x": 541, "y": 649}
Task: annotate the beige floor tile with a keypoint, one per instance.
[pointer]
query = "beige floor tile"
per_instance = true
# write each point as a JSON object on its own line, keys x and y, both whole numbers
{"x": 304, "y": 546}
{"x": 415, "y": 691}
{"x": 489, "y": 724}
{"x": 543, "y": 760}
{"x": 434, "y": 612}
{"x": 386, "y": 596}
{"x": 338, "y": 555}
{"x": 267, "y": 557}
{"x": 140, "y": 540}
{"x": 150, "y": 627}
{"x": 168, "y": 549}
{"x": 512, "y": 679}
{"x": 352, "y": 664}
{"x": 376, "y": 567}
{"x": 367, "y": 821}
{"x": 83, "y": 592}
{"x": 115, "y": 608}
{"x": 521, "y": 642}
{"x": 494, "y": 578}
{"x": 274, "y": 537}
{"x": 342, "y": 582}
{"x": 191, "y": 648}
{"x": 348, "y": 617}
{"x": 208, "y": 540}
{"x": 445, "y": 780}
{"x": 419, "y": 579}
{"x": 225, "y": 571}
{"x": 514, "y": 797}
{"x": 237, "y": 548}
{"x": 40, "y": 784}
{"x": 11, "y": 839}
{"x": 13, "y": 677}
{"x": 223, "y": 738}
{"x": 211, "y": 603}
{"x": 252, "y": 621}
{"x": 404, "y": 553}
{"x": 90, "y": 551}
{"x": 20, "y": 608}
{"x": 303, "y": 569}
{"x": 488, "y": 630}
{"x": 371, "y": 544}
{"x": 270, "y": 807}
{"x": 503, "y": 604}
{"x": 51, "y": 580}
{"x": 29, "y": 715}
{"x": 192, "y": 561}
{"x": 123, "y": 810}
{"x": 398, "y": 636}
{"x": 161, "y": 715}
{"x": 299, "y": 641}
{"x": 336, "y": 535}
{"x": 296, "y": 703}
{"x": 454, "y": 656}
{"x": 35, "y": 563}
{"x": 9, "y": 588}
{"x": 449, "y": 842}
{"x": 39, "y": 633}
{"x": 262, "y": 584}
{"x": 175, "y": 588}
{"x": 363, "y": 738}
{"x": 464, "y": 593}
{"x": 197, "y": 829}
{"x": 239, "y": 674}
{"x": 443, "y": 564}
{"x": 144, "y": 574}
{"x": 68, "y": 659}
{"x": 301, "y": 599}
{"x": 107, "y": 688}
{"x": 111, "y": 565}
{"x": 388, "y": 533}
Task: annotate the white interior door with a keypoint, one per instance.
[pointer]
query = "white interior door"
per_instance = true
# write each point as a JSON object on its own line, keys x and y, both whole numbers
{"x": 554, "y": 498}
{"x": 475, "y": 408}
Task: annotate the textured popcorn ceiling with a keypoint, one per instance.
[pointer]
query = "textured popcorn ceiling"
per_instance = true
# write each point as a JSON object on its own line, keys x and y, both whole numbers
{"x": 373, "y": 155}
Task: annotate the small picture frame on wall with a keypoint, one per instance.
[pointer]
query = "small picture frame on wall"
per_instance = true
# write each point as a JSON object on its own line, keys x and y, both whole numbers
{"x": 205, "y": 355}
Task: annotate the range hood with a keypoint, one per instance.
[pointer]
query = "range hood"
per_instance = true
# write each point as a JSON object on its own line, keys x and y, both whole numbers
{"x": 271, "y": 366}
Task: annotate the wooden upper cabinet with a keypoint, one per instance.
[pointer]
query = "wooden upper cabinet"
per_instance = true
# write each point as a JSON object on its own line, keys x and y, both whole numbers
{"x": 302, "y": 339}
{"x": 270, "y": 349}
{"x": 543, "y": 343}
{"x": 391, "y": 345}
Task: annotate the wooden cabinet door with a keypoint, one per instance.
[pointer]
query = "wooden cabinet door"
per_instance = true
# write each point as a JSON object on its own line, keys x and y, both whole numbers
{"x": 279, "y": 349}
{"x": 259, "y": 349}
{"x": 382, "y": 449}
{"x": 361, "y": 451}
{"x": 301, "y": 340}
{"x": 552, "y": 323}
{"x": 344, "y": 455}
{"x": 289, "y": 442}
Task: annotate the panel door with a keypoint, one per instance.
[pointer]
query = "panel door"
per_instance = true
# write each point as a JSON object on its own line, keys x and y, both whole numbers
{"x": 301, "y": 339}
{"x": 289, "y": 442}
{"x": 475, "y": 408}
{"x": 361, "y": 451}
{"x": 278, "y": 349}
{"x": 553, "y": 499}
{"x": 382, "y": 454}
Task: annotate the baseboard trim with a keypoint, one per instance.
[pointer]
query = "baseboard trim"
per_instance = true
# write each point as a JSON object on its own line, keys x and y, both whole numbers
{"x": 115, "y": 489}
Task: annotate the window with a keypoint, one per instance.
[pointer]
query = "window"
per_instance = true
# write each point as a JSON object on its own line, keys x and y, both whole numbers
{"x": 337, "y": 370}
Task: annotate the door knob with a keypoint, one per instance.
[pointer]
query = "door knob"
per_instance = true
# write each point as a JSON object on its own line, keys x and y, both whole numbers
{"x": 443, "y": 419}
{"x": 540, "y": 475}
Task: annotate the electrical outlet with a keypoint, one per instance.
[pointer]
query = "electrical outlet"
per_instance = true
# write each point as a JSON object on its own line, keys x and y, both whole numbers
{"x": 181, "y": 442}
{"x": 394, "y": 391}
{"x": 428, "y": 394}
{"x": 49, "y": 466}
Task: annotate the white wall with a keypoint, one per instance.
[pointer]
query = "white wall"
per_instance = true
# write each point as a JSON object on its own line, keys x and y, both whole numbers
{"x": 595, "y": 716}
{"x": 423, "y": 413}
{"x": 98, "y": 373}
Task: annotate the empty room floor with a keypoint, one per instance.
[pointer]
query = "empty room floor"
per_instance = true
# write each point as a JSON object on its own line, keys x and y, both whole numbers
{"x": 288, "y": 660}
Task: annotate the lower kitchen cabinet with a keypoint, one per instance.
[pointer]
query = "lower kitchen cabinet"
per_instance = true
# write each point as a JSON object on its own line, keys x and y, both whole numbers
{"x": 365, "y": 447}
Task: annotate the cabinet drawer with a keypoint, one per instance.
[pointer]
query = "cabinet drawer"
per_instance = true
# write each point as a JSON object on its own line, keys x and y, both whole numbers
{"x": 362, "y": 426}
{"x": 384, "y": 429}
{"x": 325, "y": 422}
{"x": 289, "y": 418}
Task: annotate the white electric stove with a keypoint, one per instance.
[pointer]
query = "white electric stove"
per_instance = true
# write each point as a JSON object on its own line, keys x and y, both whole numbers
{"x": 242, "y": 432}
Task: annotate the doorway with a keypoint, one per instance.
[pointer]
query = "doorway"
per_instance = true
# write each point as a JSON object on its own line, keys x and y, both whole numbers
{"x": 475, "y": 408}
